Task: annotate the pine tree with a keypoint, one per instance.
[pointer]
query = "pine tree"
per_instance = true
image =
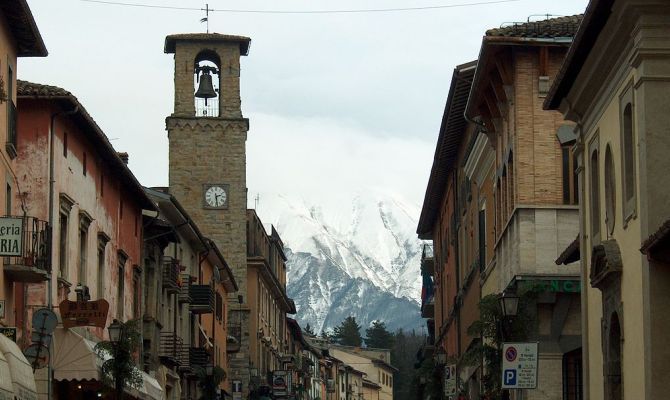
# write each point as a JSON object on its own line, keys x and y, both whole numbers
{"x": 309, "y": 330}
{"x": 348, "y": 333}
{"x": 378, "y": 337}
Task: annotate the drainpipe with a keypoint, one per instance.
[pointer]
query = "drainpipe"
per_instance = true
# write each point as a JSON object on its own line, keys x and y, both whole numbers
{"x": 52, "y": 180}
{"x": 458, "y": 274}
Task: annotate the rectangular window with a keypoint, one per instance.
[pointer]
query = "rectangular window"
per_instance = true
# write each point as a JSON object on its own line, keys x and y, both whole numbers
{"x": 101, "y": 270}
{"x": 568, "y": 167}
{"x": 137, "y": 294}
{"x": 11, "y": 114}
{"x": 83, "y": 243}
{"x": 64, "y": 144}
{"x": 120, "y": 292}
{"x": 482, "y": 239}
{"x": 83, "y": 164}
{"x": 102, "y": 184}
{"x": 121, "y": 209}
{"x": 8, "y": 200}
{"x": 62, "y": 245}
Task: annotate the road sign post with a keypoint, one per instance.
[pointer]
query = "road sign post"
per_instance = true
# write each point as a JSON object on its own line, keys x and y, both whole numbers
{"x": 519, "y": 365}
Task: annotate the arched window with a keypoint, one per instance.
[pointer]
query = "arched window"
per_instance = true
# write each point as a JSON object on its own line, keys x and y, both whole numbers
{"x": 610, "y": 191}
{"x": 628, "y": 156}
{"x": 206, "y": 80}
{"x": 594, "y": 185}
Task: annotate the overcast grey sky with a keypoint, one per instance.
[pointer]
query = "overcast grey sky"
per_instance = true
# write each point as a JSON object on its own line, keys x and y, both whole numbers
{"x": 337, "y": 102}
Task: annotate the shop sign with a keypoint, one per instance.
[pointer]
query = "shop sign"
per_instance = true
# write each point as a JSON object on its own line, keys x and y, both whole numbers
{"x": 279, "y": 383}
{"x": 450, "y": 380}
{"x": 555, "y": 285}
{"x": 11, "y": 236}
{"x": 519, "y": 365}
{"x": 237, "y": 390}
{"x": 84, "y": 313}
{"x": 2, "y": 309}
{"x": 9, "y": 332}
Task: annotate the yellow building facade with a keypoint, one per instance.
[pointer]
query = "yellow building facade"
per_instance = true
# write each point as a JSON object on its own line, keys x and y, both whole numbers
{"x": 614, "y": 85}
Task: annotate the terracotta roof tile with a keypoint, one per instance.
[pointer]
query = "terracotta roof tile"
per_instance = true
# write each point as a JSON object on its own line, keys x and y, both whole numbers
{"x": 548, "y": 28}
{"x": 25, "y": 88}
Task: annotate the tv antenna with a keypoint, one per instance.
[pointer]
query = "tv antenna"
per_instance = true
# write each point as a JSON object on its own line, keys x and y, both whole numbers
{"x": 257, "y": 200}
{"x": 206, "y": 19}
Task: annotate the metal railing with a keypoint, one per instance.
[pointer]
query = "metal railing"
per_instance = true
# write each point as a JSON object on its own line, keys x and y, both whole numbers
{"x": 202, "y": 299}
{"x": 171, "y": 281}
{"x": 170, "y": 349}
{"x": 32, "y": 255}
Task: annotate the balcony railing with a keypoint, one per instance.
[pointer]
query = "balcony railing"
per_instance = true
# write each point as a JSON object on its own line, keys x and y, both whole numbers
{"x": 170, "y": 349}
{"x": 171, "y": 281}
{"x": 234, "y": 341}
{"x": 427, "y": 260}
{"x": 428, "y": 308}
{"x": 198, "y": 357}
{"x": 31, "y": 259}
{"x": 185, "y": 289}
{"x": 202, "y": 299}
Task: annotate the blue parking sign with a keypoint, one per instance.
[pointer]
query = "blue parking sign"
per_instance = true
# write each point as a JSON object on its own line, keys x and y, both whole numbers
{"x": 510, "y": 377}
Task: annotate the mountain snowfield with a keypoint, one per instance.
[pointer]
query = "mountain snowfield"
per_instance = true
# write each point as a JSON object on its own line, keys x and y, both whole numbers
{"x": 349, "y": 255}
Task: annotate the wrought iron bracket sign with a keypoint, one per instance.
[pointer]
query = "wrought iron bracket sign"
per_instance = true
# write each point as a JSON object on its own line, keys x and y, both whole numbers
{"x": 84, "y": 313}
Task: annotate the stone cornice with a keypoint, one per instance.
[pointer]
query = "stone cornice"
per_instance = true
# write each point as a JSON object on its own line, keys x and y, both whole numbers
{"x": 176, "y": 122}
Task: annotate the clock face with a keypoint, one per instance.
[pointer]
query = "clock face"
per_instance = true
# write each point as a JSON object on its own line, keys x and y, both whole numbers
{"x": 216, "y": 196}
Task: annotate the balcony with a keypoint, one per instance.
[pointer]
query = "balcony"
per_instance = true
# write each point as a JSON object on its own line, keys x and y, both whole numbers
{"x": 202, "y": 299}
{"x": 428, "y": 308}
{"x": 29, "y": 248}
{"x": 234, "y": 341}
{"x": 170, "y": 350}
{"x": 171, "y": 275}
{"x": 198, "y": 357}
{"x": 427, "y": 260}
{"x": 185, "y": 289}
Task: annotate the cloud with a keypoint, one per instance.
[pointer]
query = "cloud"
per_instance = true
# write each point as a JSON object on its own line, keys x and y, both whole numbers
{"x": 317, "y": 158}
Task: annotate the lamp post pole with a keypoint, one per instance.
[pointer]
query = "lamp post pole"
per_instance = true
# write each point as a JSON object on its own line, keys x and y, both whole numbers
{"x": 116, "y": 333}
{"x": 509, "y": 305}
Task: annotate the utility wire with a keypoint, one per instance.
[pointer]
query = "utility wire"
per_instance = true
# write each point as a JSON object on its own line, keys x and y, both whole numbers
{"x": 369, "y": 10}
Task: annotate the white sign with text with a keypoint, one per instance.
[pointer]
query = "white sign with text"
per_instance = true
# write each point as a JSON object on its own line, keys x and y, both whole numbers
{"x": 11, "y": 235}
{"x": 519, "y": 365}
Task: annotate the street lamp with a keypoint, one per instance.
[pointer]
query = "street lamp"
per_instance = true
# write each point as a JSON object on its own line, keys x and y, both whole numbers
{"x": 509, "y": 303}
{"x": 441, "y": 356}
{"x": 115, "y": 330}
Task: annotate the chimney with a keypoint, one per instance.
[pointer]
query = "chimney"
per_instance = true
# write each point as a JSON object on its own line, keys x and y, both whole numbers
{"x": 123, "y": 156}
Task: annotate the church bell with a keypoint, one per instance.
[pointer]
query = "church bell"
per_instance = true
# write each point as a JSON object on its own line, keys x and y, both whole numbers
{"x": 205, "y": 87}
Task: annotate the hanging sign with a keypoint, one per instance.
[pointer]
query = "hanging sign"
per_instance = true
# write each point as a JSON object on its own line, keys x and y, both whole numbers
{"x": 519, "y": 365}
{"x": 84, "y": 313}
{"x": 11, "y": 236}
{"x": 279, "y": 383}
{"x": 450, "y": 380}
{"x": 9, "y": 332}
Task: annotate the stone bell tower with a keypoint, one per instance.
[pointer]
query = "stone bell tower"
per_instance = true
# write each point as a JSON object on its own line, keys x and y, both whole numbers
{"x": 207, "y": 136}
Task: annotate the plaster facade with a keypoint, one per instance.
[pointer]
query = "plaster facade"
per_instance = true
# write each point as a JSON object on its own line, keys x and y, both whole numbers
{"x": 622, "y": 142}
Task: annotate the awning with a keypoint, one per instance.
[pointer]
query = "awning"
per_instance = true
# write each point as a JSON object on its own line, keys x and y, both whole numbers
{"x": 74, "y": 358}
{"x": 18, "y": 375}
{"x": 6, "y": 388}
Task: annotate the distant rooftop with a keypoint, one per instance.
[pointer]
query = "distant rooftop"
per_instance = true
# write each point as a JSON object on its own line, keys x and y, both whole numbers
{"x": 549, "y": 28}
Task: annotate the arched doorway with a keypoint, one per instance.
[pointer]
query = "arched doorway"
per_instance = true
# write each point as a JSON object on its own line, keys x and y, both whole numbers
{"x": 614, "y": 378}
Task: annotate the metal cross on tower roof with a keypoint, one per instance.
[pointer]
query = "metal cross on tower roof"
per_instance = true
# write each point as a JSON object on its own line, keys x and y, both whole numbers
{"x": 206, "y": 19}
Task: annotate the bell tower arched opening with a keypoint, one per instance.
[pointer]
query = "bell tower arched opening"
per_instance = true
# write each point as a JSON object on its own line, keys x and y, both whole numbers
{"x": 206, "y": 84}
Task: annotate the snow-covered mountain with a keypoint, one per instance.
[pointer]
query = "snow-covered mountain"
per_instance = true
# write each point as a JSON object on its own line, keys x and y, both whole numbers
{"x": 350, "y": 255}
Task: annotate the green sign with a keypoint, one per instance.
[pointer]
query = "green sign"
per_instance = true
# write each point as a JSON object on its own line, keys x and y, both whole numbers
{"x": 554, "y": 285}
